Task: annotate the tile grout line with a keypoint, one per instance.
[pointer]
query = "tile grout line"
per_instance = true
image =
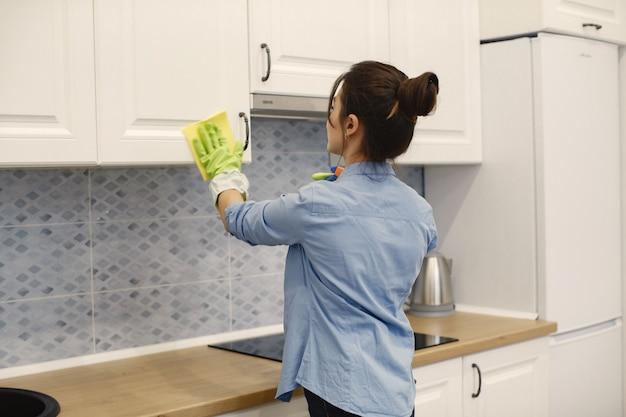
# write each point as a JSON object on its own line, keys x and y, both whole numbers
{"x": 148, "y": 287}
{"x": 15, "y": 226}
{"x": 90, "y": 220}
{"x": 91, "y": 245}
{"x": 264, "y": 275}
{"x": 44, "y": 298}
{"x": 151, "y": 287}
{"x": 151, "y": 219}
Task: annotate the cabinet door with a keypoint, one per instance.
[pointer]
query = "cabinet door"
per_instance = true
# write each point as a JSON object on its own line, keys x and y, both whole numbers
{"x": 312, "y": 42}
{"x": 513, "y": 381}
{"x": 297, "y": 407}
{"x": 598, "y": 19}
{"x": 161, "y": 65}
{"x": 47, "y": 105}
{"x": 442, "y": 37}
{"x": 439, "y": 389}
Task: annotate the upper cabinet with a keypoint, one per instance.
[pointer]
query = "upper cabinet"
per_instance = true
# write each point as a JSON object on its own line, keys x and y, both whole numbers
{"x": 442, "y": 37}
{"x": 112, "y": 82}
{"x": 596, "y": 19}
{"x": 47, "y": 114}
{"x": 299, "y": 47}
{"x": 161, "y": 65}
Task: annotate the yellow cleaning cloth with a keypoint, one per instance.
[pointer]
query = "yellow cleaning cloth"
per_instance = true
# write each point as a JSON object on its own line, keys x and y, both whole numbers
{"x": 220, "y": 120}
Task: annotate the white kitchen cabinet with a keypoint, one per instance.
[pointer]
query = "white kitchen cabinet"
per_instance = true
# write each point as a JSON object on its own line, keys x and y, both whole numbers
{"x": 514, "y": 383}
{"x": 47, "y": 112}
{"x": 439, "y": 389}
{"x": 297, "y": 407}
{"x": 300, "y": 47}
{"x": 596, "y": 19}
{"x": 510, "y": 381}
{"x": 595, "y": 379}
{"x": 161, "y": 65}
{"x": 442, "y": 37}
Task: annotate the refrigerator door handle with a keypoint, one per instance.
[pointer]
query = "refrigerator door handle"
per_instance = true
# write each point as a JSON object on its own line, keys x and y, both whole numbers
{"x": 584, "y": 332}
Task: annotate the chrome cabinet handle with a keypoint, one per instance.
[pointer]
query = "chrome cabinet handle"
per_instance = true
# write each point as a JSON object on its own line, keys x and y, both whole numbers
{"x": 245, "y": 119}
{"x": 269, "y": 62}
{"x": 595, "y": 25}
{"x": 480, "y": 381}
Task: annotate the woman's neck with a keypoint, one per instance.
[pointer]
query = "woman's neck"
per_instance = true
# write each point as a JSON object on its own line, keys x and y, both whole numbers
{"x": 352, "y": 159}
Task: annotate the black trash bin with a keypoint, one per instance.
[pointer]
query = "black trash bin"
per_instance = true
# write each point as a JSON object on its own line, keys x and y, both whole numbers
{"x": 15, "y": 402}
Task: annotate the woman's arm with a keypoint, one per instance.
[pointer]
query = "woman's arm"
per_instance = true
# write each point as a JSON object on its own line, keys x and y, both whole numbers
{"x": 282, "y": 221}
{"x": 225, "y": 199}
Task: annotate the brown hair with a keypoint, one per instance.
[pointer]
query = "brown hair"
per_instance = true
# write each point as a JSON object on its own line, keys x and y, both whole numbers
{"x": 387, "y": 103}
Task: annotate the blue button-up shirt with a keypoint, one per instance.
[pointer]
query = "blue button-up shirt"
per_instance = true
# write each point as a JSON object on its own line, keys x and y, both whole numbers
{"x": 355, "y": 248}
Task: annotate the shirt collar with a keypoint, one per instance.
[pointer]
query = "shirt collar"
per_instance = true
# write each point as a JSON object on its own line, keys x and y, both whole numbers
{"x": 368, "y": 168}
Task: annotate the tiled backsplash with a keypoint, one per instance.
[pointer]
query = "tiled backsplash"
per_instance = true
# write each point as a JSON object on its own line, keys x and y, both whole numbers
{"x": 103, "y": 259}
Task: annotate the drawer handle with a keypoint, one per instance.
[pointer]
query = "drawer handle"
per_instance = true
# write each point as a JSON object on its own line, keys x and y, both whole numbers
{"x": 269, "y": 62}
{"x": 480, "y": 381}
{"x": 595, "y": 25}
{"x": 245, "y": 119}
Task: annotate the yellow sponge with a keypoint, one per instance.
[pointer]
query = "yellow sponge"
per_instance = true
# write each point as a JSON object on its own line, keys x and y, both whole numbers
{"x": 220, "y": 120}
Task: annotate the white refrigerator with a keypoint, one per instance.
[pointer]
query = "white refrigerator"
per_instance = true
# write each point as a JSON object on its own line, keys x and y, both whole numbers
{"x": 536, "y": 228}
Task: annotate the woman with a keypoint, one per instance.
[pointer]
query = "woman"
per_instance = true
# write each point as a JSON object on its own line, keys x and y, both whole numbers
{"x": 355, "y": 247}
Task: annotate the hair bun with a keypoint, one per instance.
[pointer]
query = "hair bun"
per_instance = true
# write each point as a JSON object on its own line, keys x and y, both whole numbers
{"x": 433, "y": 79}
{"x": 418, "y": 96}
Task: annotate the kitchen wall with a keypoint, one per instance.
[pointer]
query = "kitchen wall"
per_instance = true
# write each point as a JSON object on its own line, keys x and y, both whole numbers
{"x": 94, "y": 260}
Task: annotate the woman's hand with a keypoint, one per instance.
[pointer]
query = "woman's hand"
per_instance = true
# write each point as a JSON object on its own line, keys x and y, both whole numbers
{"x": 214, "y": 152}
{"x": 222, "y": 166}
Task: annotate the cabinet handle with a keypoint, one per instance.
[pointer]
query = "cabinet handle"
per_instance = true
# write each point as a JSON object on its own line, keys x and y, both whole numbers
{"x": 245, "y": 119}
{"x": 595, "y": 25}
{"x": 269, "y": 62}
{"x": 480, "y": 381}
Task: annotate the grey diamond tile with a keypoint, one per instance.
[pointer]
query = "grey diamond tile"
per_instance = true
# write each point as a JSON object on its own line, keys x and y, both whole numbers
{"x": 43, "y": 196}
{"x": 155, "y": 252}
{"x": 139, "y": 193}
{"x": 412, "y": 176}
{"x": 46, "y": 329}
{"x": 154, "y": 315}
{"x": 276, "y": 135}
{"x": 253, "y": 260}
{"x": 257, "y": 301}
{"x": 44, "y": 260}
{"x": 272, "y": 174}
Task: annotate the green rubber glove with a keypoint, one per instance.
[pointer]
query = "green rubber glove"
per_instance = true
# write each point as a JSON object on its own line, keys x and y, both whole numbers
{"x": 214, "y": 152}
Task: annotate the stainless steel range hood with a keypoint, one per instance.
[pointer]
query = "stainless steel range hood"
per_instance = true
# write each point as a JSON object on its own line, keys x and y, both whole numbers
{"x": 291, "y": 107}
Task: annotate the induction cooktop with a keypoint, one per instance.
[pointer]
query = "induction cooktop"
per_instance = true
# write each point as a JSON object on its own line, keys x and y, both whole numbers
{"x": 271, "y": 346}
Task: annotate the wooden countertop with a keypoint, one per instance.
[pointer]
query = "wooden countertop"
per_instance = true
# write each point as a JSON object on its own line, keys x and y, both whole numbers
{"x": 202, "y": 381}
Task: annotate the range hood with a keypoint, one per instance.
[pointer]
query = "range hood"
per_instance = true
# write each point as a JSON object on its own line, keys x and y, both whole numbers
{"x": 291, "y": 107}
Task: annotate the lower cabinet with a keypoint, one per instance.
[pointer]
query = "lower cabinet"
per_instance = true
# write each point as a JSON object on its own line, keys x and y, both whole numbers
{"x": 297, "y": 407}
{"x": 508, "y": 381}
{"x": 439, "y": 389}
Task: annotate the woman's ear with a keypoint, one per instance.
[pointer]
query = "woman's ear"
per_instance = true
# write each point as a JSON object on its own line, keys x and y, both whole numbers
{"x": 351, "y": 124}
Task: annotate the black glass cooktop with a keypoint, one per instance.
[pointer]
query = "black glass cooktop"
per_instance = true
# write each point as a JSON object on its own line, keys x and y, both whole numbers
{"x": 271, "y": 347}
